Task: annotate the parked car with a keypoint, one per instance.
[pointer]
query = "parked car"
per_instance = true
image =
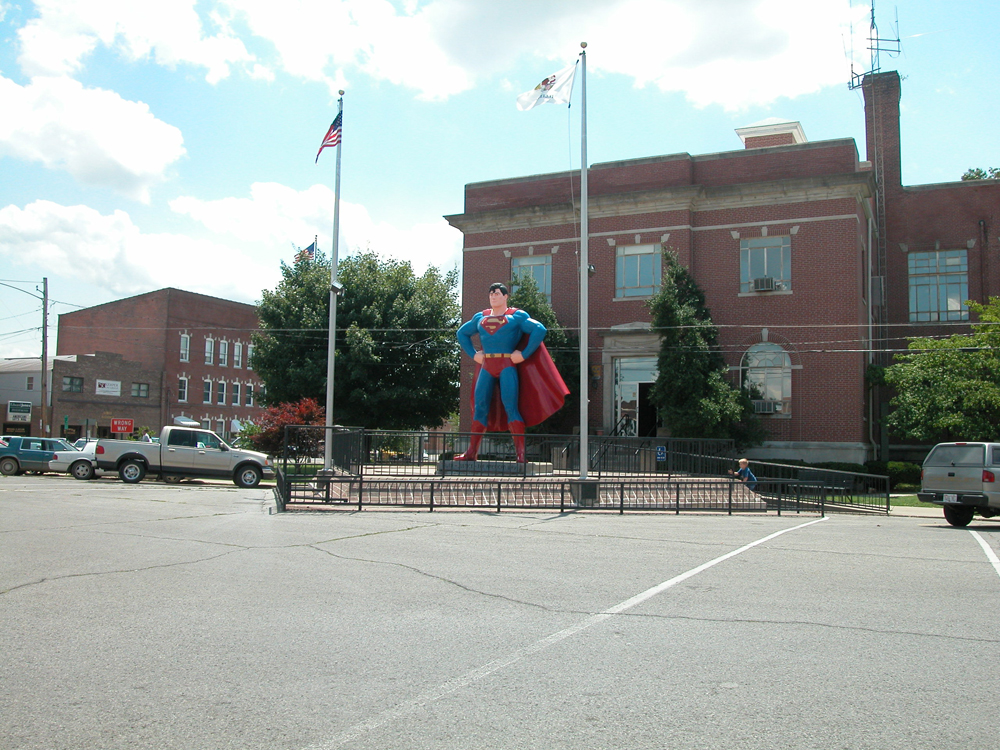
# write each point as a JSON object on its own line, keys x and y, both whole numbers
{"x": 23, "y": 454}
{"x": 183, "y": 452}
{"x": 82, "y": 442}
{"x": 81, "y": 463}
{"x": 962, "y": 478}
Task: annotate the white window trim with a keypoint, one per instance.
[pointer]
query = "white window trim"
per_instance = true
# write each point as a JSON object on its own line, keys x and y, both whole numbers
{"x": 627, "y": 250}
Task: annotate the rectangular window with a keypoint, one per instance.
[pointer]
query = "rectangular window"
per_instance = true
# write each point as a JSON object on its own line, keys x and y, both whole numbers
{"x": 223, "y": 354}
{"x": 140, "y": 390}
{"x": 220, "y": 392}
{"x": 236, "y": 394}
{"x": 206, "y": 424}
{"x": 209, "y": 351}
{"x": 249, "y": 356}
{"x": 637, "y": 271}
{"x": 185, "y": 347}
{"x": 29, "y": 384}
{"x": 766, "y": 264}
{"x": 249, "y": 398}
{"x": 182, "y": 389}
{"x": 206, "y": 396}
{"x": 237, "y": 354}
{"x": 538, "y": 267}
{"x": 220, "y": 428}
{"x": 73, "y": 385}
{"x": 939, "y": 285}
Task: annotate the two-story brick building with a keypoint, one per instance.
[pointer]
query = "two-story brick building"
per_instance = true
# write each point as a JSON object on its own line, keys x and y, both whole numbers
{"x": 792, "y": 243}
{"x": 155, "y": 357}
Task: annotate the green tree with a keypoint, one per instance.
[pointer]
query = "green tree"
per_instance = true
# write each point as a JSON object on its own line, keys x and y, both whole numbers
{"x": 949, "y": 389}
{"x": 397, "y": 358}
{"x": 978, "y": 173}
{"x": 564, "y": 347}
{"x": 692, "y": 393}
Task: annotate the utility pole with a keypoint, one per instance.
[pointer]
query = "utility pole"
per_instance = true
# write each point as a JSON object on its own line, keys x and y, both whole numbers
{"x": 45, "y": 354}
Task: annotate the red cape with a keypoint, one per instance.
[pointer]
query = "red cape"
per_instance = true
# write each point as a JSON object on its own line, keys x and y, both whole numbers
{"x": 541, "y": 392}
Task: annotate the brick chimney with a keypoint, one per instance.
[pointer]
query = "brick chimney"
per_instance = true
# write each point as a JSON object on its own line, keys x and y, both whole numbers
{"x": 882, "y": 93}
{"x": 771, "y": 132}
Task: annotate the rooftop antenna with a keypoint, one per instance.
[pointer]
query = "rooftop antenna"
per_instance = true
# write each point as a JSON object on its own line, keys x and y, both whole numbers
{"x": 876, "y": 44}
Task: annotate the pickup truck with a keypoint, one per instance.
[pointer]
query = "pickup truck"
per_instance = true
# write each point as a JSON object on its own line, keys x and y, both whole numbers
{"x": 182, "y": 452}
{"x": 962, "y": 478}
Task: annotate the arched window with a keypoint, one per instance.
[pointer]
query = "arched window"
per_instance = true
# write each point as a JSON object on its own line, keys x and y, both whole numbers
{"x": 767, "y": 373}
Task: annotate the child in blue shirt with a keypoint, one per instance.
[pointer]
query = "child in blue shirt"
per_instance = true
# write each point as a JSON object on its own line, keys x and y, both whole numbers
{"x": 745, "y": 475}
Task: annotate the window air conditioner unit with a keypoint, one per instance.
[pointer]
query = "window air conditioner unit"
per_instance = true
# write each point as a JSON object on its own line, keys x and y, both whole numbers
{"x": 764, "y": 284}
{"x": 766, "y": 407}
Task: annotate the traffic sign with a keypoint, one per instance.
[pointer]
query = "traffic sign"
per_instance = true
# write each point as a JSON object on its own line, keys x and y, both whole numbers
{"x": 122, "y": 425}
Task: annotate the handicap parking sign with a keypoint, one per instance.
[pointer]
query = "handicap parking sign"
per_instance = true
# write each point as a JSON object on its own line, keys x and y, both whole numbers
{"x": 661, "y": 453}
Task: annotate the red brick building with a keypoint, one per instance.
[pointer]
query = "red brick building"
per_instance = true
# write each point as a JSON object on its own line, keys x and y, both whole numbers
{"x": 798, "y": 247}
{"x": 175, "y": 354}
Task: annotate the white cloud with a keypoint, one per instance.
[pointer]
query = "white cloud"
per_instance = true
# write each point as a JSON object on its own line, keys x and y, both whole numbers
{"x": 80, "y": 245}
{"x": 98, "y": 137}
{"x": 170, "y": 31}
{"x": 326, "y": 41}
{"x": 730, "y": 52}
{"x": 274, "y": 217}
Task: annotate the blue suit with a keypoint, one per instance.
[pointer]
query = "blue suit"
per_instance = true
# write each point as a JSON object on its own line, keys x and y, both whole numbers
{"x": 499, "y": 336}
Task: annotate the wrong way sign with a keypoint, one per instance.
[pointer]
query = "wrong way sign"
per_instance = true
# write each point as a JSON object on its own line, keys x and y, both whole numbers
{"x": 122, "y": 425}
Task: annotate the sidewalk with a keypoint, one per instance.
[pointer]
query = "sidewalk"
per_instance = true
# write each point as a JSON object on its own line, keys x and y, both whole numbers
{"x": 919, "y": 512}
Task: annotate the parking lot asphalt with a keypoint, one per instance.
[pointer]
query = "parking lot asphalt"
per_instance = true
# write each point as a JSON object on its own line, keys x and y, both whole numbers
{"x": 189, "y": 616}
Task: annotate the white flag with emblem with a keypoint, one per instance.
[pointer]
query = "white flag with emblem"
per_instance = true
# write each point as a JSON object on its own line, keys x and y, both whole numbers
{"x": 555, "y": 89}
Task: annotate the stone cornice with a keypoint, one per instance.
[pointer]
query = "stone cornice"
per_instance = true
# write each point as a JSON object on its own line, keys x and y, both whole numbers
{"x": 682, "y": 198}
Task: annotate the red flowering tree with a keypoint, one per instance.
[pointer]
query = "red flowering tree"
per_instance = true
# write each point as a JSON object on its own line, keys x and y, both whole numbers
{"x": 268, "y": 432}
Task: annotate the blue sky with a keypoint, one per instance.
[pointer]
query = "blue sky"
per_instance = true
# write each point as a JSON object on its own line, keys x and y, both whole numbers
{"x": 145, "y": 145}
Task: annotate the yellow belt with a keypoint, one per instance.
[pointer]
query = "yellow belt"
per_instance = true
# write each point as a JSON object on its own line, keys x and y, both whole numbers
{"x": 495, "y": 355}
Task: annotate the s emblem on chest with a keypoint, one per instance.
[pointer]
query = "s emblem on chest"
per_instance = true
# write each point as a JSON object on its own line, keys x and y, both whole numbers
{"x": 493, "y": 323}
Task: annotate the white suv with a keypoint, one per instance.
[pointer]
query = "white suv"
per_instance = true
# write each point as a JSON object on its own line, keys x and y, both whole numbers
{"x": 962, "y": 477}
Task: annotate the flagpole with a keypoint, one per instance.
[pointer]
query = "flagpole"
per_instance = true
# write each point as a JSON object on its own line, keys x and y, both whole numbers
{"x": 584, "y": 275}
{"x": 334, "y": 291}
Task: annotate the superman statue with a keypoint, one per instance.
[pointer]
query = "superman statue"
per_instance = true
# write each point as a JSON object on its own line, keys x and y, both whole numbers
{"x": 512, "y": 353}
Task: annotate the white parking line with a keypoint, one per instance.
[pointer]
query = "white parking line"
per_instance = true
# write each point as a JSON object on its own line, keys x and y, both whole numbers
{"x": 990, "y": 554}
{"x": 434, "y": 694}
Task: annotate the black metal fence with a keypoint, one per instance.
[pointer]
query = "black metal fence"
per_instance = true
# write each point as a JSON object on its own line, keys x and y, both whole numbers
{"x": 410, "y": 469}
{"x": 395, "y": 453}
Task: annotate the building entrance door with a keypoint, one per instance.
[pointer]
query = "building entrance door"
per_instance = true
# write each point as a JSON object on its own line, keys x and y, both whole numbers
{"x": 634, "y": 414}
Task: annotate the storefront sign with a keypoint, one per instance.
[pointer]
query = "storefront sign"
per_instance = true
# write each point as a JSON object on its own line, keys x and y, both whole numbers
{"x": 19, "y": 411}
{"x": 109, "y": 388}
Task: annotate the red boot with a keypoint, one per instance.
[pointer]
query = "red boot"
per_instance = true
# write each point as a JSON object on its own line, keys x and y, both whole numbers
{"x": 478, "y": 428}
{"x": 517, "y": 432}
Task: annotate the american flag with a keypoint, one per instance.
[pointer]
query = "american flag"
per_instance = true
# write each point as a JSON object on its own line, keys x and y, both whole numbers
{"x": 307, "y": 253}
{"x": 332, "y": 137}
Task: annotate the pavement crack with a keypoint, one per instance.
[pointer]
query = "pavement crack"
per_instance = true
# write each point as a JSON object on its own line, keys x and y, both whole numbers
{"x": 448, "y": 581}
{"x": 180, "y": 563}
{"x": 812, "y": 623}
